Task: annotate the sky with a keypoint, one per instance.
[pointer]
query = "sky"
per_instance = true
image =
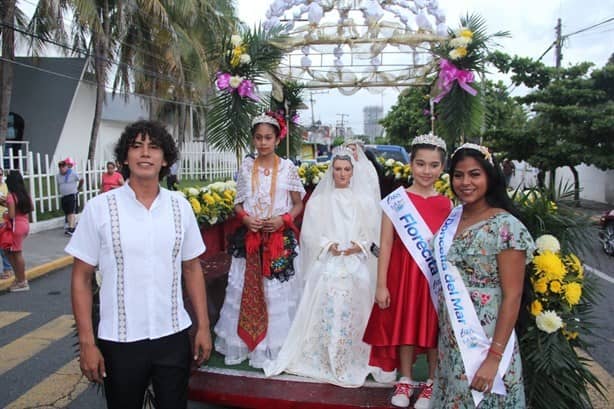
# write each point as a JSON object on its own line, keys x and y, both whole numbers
{"x": 531, "y": 24}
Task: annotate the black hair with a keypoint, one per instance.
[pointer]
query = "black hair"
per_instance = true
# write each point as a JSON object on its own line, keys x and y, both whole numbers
{"x": 157, "y": 134}
{"x": 111, "y": 163}
{"x": 415, "y": 148}
{"x": 275, "y": 129}
{"x": 496, "y": 192}
{"x": 15, "y": 185}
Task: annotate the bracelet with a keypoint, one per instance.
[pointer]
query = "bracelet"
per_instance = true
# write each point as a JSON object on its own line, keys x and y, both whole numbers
{"x": 499, "y": 344}
{"x": 495, "y": 353}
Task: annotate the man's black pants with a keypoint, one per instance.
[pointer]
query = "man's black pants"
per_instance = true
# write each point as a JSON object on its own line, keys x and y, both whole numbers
{"x": 130, "y": 366}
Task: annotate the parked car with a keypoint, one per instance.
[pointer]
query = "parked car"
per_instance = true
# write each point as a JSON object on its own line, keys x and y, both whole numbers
{"x": 395, "y": 152}
{"x": 607, "y": 232}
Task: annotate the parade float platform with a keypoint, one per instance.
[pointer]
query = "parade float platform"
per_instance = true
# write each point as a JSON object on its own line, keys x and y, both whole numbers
{"x": 240, "y": 386}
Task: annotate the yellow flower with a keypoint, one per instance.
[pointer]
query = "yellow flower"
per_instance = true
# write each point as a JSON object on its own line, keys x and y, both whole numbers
{"x": 195, "y": 205}
{"x": 536, "y": 308}
{"x": 235, "y": 59}
{"x": 551, "y": 265}
{"x": 457, "y": 53}
{"x": 465, "y": 32}
{"x": 555, "y": 286}
{"x": 570, "y": 334}
{"x": 301, "y": 172}
{"x": 573, "y": 292}
{"x": 573, "y": 262}
{"x": 541, "y": 285}
{"x": 208, "y": 199}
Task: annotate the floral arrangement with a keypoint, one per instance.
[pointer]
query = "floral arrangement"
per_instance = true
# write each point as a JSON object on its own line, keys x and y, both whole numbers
{"x": 461, "y": 56}
{"x": 237, "y": 80}
{"x": 311, "y": 174}
{"x": 558, "y": 300}
{"x": 395, "y": 169}
{"x": 212, "y": 204}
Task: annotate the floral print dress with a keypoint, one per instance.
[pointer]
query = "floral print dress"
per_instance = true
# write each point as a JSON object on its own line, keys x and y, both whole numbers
{"x": 474, "y": 253}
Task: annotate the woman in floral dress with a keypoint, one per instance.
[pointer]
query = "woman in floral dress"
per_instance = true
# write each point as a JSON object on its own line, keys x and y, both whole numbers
{"x": 490, "y": 249}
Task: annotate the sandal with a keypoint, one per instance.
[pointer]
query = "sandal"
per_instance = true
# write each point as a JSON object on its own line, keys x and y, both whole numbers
{"x": 6, "y": 274}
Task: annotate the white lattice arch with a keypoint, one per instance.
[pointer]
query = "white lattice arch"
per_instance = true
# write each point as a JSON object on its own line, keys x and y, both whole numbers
{"x": 354, "y": 44}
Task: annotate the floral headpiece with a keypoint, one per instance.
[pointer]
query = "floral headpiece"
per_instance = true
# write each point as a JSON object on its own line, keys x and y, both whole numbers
{"x": 482, "y": 149}
{"x": 429, "y": 139}
{"x": 272, "y": 118}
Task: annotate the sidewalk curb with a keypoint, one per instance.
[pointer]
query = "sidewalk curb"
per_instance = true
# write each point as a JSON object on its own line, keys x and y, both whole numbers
{"x": 40, "y": 270}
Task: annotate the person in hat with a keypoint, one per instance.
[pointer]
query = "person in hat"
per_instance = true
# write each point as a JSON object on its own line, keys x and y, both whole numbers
{"x": 69, "y": 183}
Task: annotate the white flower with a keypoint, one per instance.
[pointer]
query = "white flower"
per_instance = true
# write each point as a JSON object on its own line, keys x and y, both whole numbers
{"x": 397, "y": 175}
{"x": 99, "y": 278}
{"x": 303, "y": 181}
{"x": 320, "y": 175}
{"x": 460, "y": 42}
{"x": 389, "y": 162}
{"x": 231, "y": 184}
{"x": 236, "y": 40}
{"x": 315, "y": 180}
{"x": 192, "y": 191}
{"x": 547, "y": 242}
{"x": 235, "y": 81}
{"x": 217, "y": 186}
{"x": 245, "y": 59}
{"x": 549, "y": 321}
{"x": 213, "y": 220}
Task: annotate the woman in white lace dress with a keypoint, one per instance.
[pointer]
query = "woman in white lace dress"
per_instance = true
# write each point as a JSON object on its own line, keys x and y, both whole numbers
{"x": 340, "y": 224}
{"x": 263, "y": 291}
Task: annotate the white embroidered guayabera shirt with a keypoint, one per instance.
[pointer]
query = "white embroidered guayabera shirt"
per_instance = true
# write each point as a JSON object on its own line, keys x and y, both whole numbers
{"x": 139, "y": 253}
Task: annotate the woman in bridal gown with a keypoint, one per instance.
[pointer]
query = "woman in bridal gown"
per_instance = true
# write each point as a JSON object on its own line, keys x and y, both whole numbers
{"x": 340, "y": 225}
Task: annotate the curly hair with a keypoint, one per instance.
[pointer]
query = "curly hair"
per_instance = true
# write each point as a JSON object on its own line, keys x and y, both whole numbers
{"x": 157, "y": 134}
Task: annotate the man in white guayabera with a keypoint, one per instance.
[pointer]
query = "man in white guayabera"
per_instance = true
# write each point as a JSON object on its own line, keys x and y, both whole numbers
{"x": 145, "y": 241}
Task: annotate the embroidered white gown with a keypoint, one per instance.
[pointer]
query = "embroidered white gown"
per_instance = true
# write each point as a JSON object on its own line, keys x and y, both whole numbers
{"x": 281, "y": 297}
{"x": 325, "y": 341}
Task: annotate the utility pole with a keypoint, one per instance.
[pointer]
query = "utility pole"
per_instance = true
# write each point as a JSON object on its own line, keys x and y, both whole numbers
{"x": 311, "y": 100}
{"x": 342, "y": 122}
{"x": 558, "y": 44}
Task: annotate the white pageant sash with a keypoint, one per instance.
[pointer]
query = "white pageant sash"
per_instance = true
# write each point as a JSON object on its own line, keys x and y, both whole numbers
{"x": 470, "y": 336}
{"x": 415, "y": 235}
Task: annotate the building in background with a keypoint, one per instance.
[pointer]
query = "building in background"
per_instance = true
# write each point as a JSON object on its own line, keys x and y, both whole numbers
{"x": 371, "y": 117}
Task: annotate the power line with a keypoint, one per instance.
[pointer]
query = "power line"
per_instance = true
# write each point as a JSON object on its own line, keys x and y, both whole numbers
{"x": 589, "y": 27}
{"x": 81, "y": 51}
{"x": 137, "y": 94}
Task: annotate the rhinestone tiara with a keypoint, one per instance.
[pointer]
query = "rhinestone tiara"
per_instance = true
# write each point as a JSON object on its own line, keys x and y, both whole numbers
{"x": 429, "y": 139}
{"x": 265, "y": 119}
{"x": 482, "y": 149}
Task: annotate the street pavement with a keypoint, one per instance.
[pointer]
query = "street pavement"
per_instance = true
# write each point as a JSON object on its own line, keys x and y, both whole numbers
{"x": 38, "y": 365}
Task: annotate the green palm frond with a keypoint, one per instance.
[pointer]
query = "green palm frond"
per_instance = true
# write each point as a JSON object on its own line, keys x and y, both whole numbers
{"x": 229, "y": 121}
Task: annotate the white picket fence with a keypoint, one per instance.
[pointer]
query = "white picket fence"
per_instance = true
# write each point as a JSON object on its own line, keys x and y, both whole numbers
{"x": 197, "y": 162}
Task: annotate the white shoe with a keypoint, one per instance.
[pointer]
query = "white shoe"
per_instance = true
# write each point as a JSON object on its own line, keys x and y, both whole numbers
{"x": 402, "y": 393}
{"x": 424, "y": 399}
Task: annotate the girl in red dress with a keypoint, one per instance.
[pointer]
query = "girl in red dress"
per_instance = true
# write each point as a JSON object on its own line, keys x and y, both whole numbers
{"x": 403, "y": 320}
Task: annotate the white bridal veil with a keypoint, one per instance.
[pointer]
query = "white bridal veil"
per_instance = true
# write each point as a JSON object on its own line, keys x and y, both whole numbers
{"x": 321, "y": 219}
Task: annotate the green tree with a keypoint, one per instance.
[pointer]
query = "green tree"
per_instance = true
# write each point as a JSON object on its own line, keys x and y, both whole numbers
{"x": 409, "y": 117}
{"x": 572, "y": 115}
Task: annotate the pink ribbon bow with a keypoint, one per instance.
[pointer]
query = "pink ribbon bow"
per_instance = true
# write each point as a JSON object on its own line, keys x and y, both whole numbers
{"x": 448, "y": 74}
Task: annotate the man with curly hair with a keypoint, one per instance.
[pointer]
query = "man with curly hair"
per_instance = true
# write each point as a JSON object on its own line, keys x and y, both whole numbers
{"x": 145, "y": 241}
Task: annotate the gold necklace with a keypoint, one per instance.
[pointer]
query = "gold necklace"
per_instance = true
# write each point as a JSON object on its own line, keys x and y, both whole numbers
{"x": 256, "y": 181}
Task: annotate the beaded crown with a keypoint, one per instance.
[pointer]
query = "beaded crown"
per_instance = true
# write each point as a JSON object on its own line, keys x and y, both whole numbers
{"x": 482, "y": 149}
{"x": 429, "y": 139}
{"x": 265, "y": 119}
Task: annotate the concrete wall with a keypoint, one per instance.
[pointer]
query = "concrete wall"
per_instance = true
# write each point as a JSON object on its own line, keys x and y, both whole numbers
{"x": 596, "y": 184}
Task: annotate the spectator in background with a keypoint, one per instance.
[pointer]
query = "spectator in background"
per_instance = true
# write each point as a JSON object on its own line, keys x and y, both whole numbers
{"x": 19, "y": 206}
{"x": 7, "y": 269}
{"x": 508, "y": 170}
{"x": 69, "y": 184}
{"x": 111, "y": 179}
{"x": 172, "y": 179}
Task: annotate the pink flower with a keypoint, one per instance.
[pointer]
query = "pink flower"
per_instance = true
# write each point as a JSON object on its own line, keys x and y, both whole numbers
{"x": 246, "y": 89}
{"x": 223, "y": 80}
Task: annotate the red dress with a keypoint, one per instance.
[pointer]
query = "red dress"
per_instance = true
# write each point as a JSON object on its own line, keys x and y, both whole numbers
{"x": 411, "y": 318}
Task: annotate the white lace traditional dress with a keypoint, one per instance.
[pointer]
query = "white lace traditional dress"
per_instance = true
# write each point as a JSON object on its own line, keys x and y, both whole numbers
{"x": 281, "y": 294}
{"x": 325, "y": 341}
